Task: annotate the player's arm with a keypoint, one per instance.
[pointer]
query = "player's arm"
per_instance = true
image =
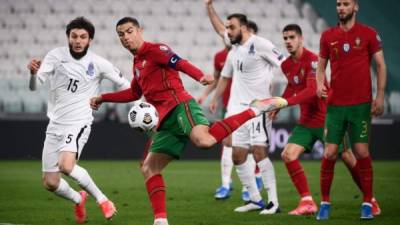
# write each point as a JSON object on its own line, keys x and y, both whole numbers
{"x": 128, "y": 95}
{"x": 305, "y": 94}
{"x": 221, "y": 86}
{"x": 270, "y": 53}
{"x": 378, "y": 103}
{"x": 209, "y": 88}
{"x": 113, "y": 74}
{"x": 39, "y": 71}
{"x": 164, "y": 56}
{"x": 320, "y": 77}
{"x": 216, "y": 21}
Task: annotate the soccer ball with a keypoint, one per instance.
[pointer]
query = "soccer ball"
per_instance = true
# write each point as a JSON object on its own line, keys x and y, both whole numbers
{"x": 143, "y": 116}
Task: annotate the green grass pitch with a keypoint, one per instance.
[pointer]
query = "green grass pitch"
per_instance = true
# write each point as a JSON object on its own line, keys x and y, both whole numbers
{"x": 190, "y": 189}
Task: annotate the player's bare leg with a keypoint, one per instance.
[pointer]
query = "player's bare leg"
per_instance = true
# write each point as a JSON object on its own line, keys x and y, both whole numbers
{"x": 326, "y": 177}
{"x": 260, "y": 154}
{"x": 364, "y": 161}
{"x": 351, "y": 163}
{"x": 246, "y": 176}
{"x": 67, "y": 165}
{"x": 290, "y": 156}
{"x": 155, "y": 185}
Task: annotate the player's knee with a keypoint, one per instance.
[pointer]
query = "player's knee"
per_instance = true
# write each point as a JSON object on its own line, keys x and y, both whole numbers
{"x": 288, "y": 156}
{"x": 330, "y": 155}
{"x": 50, "y": 184}
{"x": 238, "y": 159}
{"x": 65, "y": 168}
{"x": 147, "y": 171}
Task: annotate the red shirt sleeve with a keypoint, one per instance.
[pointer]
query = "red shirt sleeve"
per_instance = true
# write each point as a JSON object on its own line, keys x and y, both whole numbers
{"x": 186, "y": 67}
{"x": 216, "y": 62}
{"x": 127, "y": 95}
{"x": 375, "y": 43}
{"x": 323, "y": 46}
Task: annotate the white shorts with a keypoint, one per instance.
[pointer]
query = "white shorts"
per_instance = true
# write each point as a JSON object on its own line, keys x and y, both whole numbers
{"x": 59, "y": 138}
{"x": 255, "y": 132}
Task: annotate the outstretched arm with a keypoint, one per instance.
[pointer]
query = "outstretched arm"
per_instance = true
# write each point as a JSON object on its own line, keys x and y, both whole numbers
{"x": 214, "y": 18}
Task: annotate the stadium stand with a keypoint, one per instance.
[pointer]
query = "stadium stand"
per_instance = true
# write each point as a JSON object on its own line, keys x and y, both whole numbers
{"x": 30, "y": 28}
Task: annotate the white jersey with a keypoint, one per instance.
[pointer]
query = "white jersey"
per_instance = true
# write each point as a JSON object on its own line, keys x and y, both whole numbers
{"x": 250, "y": 67}
{"x": 73, "y": 82}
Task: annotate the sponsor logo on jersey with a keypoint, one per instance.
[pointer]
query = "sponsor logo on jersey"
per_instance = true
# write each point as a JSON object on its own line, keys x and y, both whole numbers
{"x": 144, "y": 63}
{"x": 314, "y": 65}
{"x": 163, "y": 48}
{"x": 296, "y": 79}
{"x": 358, "y": 41}
{"x": 90, "y": 70}
{"x": 346, "y": 47}
{"x": 378, "y": 38}
{"x": 137, "y": 72}
{"x": 252, "y": 50}
{"x": 334, "y": 43}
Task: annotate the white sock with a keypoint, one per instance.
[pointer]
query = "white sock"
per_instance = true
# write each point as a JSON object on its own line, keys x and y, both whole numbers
{"x": 269, "y": 180}
{"x": 250, "y": 160}
{"x": 226, "y": 166}
{"x": 65, "y": 191}
{"x": 246, "y": 176}
{"x": 84, "y": 180}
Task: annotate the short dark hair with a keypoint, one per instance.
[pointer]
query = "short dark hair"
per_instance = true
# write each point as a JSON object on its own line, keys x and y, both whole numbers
{"x": 293, "y": 27}
{"x": 81, "y": 23}
{"x": 132, "y": 20}
{"x": 241, "y": 17}
{"x": 252, "y": 25}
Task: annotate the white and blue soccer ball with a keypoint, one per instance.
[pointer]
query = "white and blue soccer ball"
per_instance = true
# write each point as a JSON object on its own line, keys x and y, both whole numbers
{"x": 143, "y": 116}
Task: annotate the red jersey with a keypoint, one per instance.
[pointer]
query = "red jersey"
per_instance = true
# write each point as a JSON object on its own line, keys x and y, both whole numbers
{"x": 301, "y": 89}
{"x": 156, "y": 77}
{"x": 219, "y": 62}
{"x": 350, "y": 56}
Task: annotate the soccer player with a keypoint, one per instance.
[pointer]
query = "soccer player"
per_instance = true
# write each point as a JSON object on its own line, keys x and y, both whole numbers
{"x": 349, "y": 47}
{"x": 223, "y": 192}
{"x": 73, "y": 74}
{"x": 156, "y": 77}
{"x": 300, "y": 71}
{"x": 249, "y": 64}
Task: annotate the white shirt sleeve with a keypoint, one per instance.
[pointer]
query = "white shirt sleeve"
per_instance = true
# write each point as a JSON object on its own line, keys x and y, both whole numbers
{"x": 112, "y": 73}
{"x": 226, "y": 39}
{"x": 47, "y": 66}
{"x": 227, "y": 71}
{"x": 269, "y": 52}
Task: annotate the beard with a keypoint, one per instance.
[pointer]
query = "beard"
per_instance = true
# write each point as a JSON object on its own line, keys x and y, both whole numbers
{"x": 238, "y": 39}
{"x": 346, "y": 18}
{"x": 78, "y": 55}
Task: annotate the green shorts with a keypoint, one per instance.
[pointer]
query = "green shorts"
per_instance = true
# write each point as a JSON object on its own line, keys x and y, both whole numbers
{"x": 306, "y": 137}
{"x": 355, "y": 120}
{"x": 173, "y": 134}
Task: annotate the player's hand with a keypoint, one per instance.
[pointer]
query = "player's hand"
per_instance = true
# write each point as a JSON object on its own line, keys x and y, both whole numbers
{"x": 377, "y": 106}
{"x": 34, "y": 66}
{"x": 273, "y": 115}
{"x": 213, "y": 106}
{"x": 95, "y": 102}
{"x": 208, "y": 2}
{"x": 322, "y": 91}
{"x": 207, "y": 80}
{"x": 201, "y": 99}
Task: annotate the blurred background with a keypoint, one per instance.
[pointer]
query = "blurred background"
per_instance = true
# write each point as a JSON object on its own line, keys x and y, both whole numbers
{"x": 31, "y": 28}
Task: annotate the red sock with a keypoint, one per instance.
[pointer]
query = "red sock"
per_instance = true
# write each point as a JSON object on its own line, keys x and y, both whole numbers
{"x": 326, "y": 177}
{"x": 355, "y": 174}
{"x": 366, "y": 177}
{"x": 222, "y": 128}
{"x": 298, "y": 177}
{"x": 156, "y": 190}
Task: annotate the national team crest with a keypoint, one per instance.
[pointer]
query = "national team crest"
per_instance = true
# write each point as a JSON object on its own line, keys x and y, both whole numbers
{"x": 90, "y": 70}
{"x": 296, "y": 79}
{"x": 346, "y": 47}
